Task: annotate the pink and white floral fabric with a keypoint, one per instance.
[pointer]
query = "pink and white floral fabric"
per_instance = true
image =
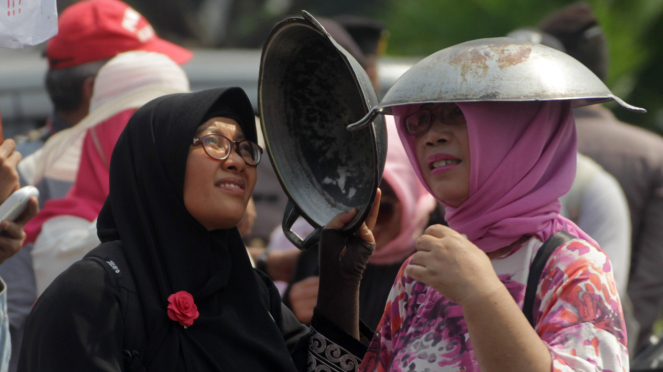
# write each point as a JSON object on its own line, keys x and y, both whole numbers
{"x": 577, "y": 314}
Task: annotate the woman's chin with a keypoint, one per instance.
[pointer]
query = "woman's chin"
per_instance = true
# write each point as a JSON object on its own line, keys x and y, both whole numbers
{"x": 451, "y": 199}
{"x": 213, "y": 224}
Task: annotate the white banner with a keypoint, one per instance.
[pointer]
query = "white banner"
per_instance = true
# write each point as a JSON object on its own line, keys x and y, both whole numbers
{"x": 27, "y": 22}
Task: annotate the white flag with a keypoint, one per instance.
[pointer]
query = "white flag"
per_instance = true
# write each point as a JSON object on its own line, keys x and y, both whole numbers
{"x": 27, "y": 22}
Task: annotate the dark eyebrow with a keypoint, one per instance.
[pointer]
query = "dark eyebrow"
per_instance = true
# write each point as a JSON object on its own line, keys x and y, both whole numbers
{"x": 214, "y": 130}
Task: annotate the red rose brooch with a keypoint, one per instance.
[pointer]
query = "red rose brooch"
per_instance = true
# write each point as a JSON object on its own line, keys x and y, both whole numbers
{"x": 182, "y": 309}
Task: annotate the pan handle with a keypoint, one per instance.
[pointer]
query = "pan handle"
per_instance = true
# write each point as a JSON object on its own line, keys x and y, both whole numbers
{"x": 366, "y": 120}
{"x": 291, "y": 215}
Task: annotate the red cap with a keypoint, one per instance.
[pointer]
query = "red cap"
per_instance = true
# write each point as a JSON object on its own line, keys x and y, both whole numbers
{"x": 93, "y": 30}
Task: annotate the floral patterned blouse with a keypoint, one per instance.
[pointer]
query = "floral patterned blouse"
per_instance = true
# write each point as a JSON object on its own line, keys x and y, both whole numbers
{"x": 577, "y": 314}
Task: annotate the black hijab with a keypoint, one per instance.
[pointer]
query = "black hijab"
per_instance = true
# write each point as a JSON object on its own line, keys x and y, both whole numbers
{"x": 169, "y": 251}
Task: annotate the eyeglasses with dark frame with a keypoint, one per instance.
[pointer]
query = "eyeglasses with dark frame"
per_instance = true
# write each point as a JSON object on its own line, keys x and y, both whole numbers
{"x": 219, "y": 147}
{"x": 420, "y": 121}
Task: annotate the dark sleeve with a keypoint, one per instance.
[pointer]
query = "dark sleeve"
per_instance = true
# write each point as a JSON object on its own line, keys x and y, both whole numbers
{"x": 330, "y": 346}
{"x": 291, "y": 329}
{"x": 321, "y": 344}
{"x": 76, "y": 324}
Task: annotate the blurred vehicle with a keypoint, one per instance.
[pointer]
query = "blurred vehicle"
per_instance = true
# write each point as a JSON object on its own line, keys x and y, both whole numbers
{"x": 24, "y": 103}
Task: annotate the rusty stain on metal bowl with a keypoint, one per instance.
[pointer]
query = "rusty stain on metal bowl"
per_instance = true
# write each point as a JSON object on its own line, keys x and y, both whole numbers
{"x": 475, "y": 59}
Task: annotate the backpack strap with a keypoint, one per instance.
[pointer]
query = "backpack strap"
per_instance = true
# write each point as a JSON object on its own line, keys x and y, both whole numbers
{"x": 536, "y": 269}
{"x": 109, "y": 267}
{"x": 111, "y": 257}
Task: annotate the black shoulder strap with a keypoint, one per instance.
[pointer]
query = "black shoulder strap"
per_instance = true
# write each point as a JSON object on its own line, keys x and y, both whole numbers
{"x": 107, "y": 266}
{"x": 111, "y": 257}
{"x": 108, "y": 255}
{"x": 536, "y": 269}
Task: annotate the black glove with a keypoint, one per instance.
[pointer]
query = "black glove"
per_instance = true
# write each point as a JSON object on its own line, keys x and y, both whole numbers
{"x": 343, "y": 260}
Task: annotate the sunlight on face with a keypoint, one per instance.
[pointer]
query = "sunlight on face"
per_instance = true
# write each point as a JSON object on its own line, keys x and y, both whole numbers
{"x": 216, "y": 192}
{"x": 443, "y": 153}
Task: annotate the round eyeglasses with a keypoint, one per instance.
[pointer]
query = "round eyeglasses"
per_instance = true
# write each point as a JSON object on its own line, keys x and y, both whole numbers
{"x": 219, "y": 147}
{"x": 420, "y": 121}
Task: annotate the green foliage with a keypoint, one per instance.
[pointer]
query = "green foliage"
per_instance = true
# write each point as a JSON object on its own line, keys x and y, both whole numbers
{"x": 633, "y": 29}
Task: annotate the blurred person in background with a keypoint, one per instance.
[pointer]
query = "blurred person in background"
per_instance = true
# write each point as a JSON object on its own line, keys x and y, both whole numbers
{"x": 633, "y": 155}
{"x": 90, "y": 33}
{"x": 371, "y": 38}
{"x": 11, "y": 239}
{"x": 405, "y": 208}
{"x": 65, "y": 230}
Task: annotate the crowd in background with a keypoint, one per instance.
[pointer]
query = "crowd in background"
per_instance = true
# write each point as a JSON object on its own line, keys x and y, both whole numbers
{"x": 107, "y": 62}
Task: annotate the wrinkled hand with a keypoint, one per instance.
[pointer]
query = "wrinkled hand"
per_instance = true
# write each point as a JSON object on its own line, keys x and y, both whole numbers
{"x": 8, "y": 174}
{"x": 12, "y": 236}
{"x": 454, "y": 266}
{"x": 345, "y": 257}
{"x": 303, "y": 298}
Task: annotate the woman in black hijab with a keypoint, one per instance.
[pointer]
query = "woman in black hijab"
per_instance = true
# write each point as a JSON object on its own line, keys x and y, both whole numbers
{"x": 168, "y": 227}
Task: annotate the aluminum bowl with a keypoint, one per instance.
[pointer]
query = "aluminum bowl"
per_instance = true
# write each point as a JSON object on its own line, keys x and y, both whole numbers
{"x": 498, "y": 69}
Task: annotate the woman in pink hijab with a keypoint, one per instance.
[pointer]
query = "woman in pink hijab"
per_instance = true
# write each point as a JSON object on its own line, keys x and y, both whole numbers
{"x": 456, "y": 304}
{"x": 405, "y": 210}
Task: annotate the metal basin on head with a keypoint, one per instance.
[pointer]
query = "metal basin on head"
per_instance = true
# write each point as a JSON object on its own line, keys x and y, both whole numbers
{"x": 498, "y": 69}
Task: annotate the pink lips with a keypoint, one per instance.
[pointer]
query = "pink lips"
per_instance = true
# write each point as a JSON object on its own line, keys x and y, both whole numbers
{"x": 439, "y": 157}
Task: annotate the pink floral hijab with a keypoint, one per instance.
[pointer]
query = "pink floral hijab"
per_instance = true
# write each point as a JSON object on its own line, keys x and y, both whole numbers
{"x": 523, "y": 159}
